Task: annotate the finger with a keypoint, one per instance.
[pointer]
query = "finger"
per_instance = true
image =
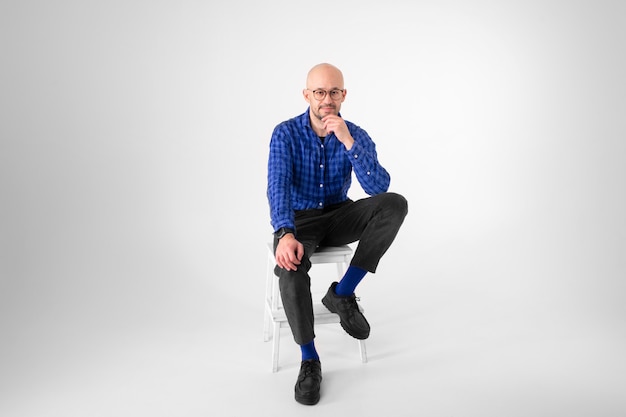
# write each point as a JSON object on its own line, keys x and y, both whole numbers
{"x": 294, "y": 259}
{"x": 300, "y": 253}
{"x": 281, "y": 260}
{"x": 290, "y": 266}
{"x": 285, "y": 264}
{"x": 288, "y": 261}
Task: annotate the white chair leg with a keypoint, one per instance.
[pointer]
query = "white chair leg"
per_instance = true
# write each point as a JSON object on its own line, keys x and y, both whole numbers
{"x": 342, "y": 267}
{"x": 269, "y": 288}
{"x": 362, "y": 351}
{"x": 266, "y": 326}
{"x": 275, "y": 347}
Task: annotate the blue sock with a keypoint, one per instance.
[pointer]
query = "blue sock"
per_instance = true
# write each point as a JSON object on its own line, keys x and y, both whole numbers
{"x": 350, "y": 280}
{"x": 309, "y": 352}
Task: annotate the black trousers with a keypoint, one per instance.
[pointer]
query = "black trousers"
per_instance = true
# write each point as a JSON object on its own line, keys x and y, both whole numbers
{"x": 373, "y": 221}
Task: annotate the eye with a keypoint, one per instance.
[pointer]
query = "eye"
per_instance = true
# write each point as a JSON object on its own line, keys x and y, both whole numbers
{"x": 335, "y": 93}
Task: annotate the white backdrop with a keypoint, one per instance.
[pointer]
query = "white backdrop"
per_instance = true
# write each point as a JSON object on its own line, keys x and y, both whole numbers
{"x": 134, "y": 139}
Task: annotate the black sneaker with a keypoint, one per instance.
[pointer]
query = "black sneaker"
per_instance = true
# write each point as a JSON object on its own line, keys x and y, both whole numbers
{"x": 309, "y": 381}
{"x": 351, "y": 318}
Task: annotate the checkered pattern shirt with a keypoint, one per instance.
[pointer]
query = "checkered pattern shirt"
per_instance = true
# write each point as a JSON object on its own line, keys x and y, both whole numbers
{"x": 306, "y": 173}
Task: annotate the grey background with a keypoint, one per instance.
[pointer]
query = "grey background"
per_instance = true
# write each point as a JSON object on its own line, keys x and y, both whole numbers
{"x": 133, "y": 218}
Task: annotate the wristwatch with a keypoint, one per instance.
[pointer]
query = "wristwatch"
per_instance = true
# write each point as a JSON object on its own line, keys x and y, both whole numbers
{"x": 280, "y": 233}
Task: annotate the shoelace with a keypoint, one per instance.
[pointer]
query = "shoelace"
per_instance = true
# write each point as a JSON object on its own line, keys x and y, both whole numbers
{"x": 351, "y": 303}
{"x": 308, "y": 369}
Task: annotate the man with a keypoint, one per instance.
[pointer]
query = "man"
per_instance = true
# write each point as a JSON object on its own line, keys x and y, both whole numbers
{"x": 311, "y": 161}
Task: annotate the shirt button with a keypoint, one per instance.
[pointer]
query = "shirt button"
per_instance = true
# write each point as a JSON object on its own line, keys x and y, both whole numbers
{"x": 356, "y": 156}
{"x": 321, "y": 185}
{"x": 368, "y": 172}
{"x": 321, "y": 204}
{"x": 322, "y": 166}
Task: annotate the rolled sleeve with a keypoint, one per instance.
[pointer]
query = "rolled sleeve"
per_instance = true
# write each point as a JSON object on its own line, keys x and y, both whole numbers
{"x": 374, "y": 179}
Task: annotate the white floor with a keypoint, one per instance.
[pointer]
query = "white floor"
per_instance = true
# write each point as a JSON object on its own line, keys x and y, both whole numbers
{"x": 432, "y": 352}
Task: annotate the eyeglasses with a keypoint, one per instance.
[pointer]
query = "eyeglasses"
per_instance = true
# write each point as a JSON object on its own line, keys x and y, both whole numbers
{"x": 335, "y": 94}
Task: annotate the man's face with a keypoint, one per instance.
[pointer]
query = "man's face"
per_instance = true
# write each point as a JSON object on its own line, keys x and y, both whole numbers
{"x": 324, "y": 81}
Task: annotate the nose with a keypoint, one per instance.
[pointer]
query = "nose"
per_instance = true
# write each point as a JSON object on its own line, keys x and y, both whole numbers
{"x": 327, "y": 99}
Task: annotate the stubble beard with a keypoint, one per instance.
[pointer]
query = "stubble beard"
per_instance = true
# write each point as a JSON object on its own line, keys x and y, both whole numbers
{"x": 333, "y": 110}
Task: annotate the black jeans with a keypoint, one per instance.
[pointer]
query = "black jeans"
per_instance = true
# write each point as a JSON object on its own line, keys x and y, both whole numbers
{"x": 373, "y": 221}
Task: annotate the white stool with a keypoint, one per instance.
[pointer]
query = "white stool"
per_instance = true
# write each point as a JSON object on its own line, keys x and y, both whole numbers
{"x": 274, "y": 312}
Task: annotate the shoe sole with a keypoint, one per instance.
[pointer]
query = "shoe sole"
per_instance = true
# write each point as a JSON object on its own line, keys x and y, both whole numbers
{"x": 308, "y": 400}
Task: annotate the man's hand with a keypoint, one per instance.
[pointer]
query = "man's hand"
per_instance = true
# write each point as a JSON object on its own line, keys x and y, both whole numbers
{"x": 335, "y": 124}
{"x": 289, "y": 252}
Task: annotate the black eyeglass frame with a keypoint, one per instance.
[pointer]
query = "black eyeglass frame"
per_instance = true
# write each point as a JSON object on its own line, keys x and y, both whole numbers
{"x": 331, "y": 92}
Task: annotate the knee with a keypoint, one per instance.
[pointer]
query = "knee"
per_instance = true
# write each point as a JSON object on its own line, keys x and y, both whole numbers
{"x": 302, "y": 270}
{"x": 294, "y": 276}
{"x": 293, "y": 285}
{"x": 396, "y": 204}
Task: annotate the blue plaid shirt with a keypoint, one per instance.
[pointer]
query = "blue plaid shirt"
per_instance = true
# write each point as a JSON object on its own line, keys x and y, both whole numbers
{"x": 306, "y": 173}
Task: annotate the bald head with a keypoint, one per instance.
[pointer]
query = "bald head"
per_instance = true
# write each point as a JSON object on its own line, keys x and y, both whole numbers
{"x": 324, "y": 76}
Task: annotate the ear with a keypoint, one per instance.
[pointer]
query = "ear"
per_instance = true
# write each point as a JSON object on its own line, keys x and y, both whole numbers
{"x": 305, "y": 94}
{"x": 345, "y": 93}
